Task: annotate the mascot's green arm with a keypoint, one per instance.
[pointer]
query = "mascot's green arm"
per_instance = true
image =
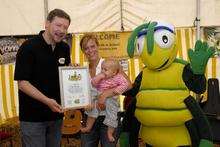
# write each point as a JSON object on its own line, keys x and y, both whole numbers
{"x": 199, "y": 56}
{"x": 198, "y": 127}
{"x": 194, "y": 82}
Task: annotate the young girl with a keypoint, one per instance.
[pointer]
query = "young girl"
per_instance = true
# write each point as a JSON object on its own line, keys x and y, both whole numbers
{"x": 109, "y": 78}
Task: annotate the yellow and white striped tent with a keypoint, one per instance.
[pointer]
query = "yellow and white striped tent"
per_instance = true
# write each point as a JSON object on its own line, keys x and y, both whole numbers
{"x": 9, "y": 90}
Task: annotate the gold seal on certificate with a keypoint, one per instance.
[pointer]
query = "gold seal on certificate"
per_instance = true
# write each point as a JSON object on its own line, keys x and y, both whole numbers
{"x": 74, "y": 87}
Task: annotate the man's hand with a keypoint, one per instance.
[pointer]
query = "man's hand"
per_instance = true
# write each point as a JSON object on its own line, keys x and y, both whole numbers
{"x": 200, "y": 56}
{"x": 54, "y": 106}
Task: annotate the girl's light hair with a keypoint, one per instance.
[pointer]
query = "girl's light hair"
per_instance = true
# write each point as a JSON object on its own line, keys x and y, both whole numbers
{"x": 115, "y": 65}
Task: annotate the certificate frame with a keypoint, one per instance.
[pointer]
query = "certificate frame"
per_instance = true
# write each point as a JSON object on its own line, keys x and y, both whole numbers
{"x": 74, "y": 87}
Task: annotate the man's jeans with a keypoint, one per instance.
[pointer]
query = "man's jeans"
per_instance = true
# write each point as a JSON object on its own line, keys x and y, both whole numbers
{"x": 41, "y": 134}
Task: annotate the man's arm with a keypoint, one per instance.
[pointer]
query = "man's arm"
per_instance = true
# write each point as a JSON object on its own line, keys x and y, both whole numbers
{"x": 33, "y": 92}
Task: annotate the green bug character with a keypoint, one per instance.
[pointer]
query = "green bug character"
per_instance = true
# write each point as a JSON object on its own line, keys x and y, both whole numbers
{"x": 168, "y": 114}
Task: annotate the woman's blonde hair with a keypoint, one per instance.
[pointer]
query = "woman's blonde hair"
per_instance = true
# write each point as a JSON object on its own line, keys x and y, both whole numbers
{"x": 85, "y": 39}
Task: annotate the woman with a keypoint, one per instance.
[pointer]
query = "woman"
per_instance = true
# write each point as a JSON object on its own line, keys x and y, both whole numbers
{"x": 89, "y": 45}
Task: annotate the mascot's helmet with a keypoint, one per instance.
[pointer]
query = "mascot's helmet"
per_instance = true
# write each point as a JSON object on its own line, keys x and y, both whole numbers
{"x": 155, "y": 43}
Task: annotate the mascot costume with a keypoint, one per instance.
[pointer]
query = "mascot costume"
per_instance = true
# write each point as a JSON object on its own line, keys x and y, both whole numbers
{"x": 169, "y": 115}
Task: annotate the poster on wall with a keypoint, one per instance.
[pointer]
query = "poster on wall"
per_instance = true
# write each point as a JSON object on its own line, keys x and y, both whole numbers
{"x": 124, "y": 64}
{"x": 10, "y": 45}
{"x": 212, "y": 35}
{"x": 8, "y": 50}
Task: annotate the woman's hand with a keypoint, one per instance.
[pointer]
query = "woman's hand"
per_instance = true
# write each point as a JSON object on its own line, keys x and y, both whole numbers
{"x": 101, "y": 98}
{"x": 100, "y": 107}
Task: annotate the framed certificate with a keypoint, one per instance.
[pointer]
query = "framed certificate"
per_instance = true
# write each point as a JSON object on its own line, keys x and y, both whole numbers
{"x": 74, "y": 87}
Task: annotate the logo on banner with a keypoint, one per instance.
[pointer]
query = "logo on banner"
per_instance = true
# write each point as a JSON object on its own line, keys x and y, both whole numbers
{"x": 8, "y": 50}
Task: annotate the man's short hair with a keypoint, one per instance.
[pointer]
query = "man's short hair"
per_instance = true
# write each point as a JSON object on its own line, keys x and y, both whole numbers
{"x": 58, "y": 13}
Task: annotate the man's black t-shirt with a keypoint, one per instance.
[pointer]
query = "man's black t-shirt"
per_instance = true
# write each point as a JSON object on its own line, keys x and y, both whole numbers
{"x": 38, "y": 63}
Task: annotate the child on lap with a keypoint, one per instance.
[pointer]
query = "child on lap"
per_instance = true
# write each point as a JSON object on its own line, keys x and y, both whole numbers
{"x": 110, "y": 83}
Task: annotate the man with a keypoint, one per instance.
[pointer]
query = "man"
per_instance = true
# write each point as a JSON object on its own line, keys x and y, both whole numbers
{"x": 36, "y": 71}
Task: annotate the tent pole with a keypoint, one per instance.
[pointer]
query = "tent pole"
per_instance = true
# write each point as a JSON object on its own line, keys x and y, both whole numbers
{"x": 45, "y": 9}
{"x": 197, "y": 23}
{"x": 121, "y": 13}
{"x": 197, "y": 20}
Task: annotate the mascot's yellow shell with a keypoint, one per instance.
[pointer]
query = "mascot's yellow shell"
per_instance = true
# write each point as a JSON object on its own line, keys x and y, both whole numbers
{"x": 169, "y": 116}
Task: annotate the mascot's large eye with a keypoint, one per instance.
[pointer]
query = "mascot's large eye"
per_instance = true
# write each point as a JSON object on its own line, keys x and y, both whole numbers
{"x": 164, "y": 38}
{"x": 140, "y": 44}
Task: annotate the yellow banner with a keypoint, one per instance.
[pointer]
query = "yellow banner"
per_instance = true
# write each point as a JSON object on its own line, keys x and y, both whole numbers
{"x": 113, "y": 44}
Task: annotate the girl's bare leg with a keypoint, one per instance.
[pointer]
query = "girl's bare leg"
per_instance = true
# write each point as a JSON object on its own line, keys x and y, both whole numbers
{"x": 110, "y": 134}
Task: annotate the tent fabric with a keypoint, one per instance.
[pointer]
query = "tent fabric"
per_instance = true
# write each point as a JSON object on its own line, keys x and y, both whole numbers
{"x": 21, "y": 17}
{"x": 9, "y": 90}
{"x": 27, "y": 17}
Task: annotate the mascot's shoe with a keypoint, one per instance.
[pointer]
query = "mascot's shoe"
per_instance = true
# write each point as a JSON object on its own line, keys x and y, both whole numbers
{"x": 124, "y": 139}
{"x": 205, "y": 143}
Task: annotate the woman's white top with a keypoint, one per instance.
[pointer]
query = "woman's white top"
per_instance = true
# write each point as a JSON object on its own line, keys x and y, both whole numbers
{"x": 94, "y": 92}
